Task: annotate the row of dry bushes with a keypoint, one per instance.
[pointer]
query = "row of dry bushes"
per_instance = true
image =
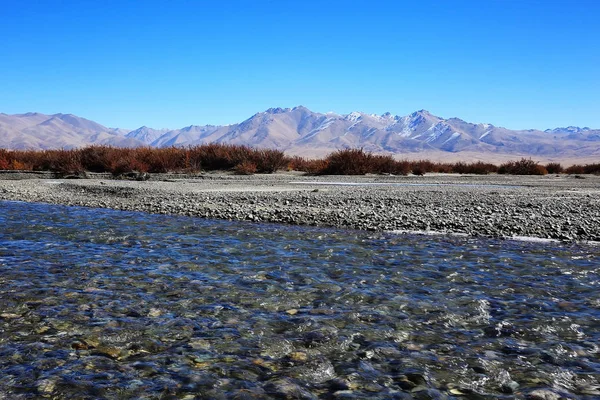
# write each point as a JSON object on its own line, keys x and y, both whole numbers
{"x": 247, "y": 160}
{"x": 118, "y": 161}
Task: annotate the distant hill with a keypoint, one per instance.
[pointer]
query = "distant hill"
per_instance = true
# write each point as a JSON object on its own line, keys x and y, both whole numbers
{"x": 299, "y": 130}
{"x": 39, "y": 131}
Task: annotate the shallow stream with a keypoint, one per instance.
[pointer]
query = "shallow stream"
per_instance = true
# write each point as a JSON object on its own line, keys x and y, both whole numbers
{"x": 98, "y": 303}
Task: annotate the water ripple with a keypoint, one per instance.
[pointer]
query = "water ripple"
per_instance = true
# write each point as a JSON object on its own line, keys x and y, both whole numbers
{"x": 107, "y": 304}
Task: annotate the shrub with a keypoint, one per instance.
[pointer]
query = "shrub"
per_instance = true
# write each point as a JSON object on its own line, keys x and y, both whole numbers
{"x": 522, "y": 167}
{"x": 554, "y": 168}
{"x": 478, "y": 168}
{"x": 575, "y": 169}
{"x": 4, "y": 159}
{"x": 245, "y": 168}
{"x": 313, "y": 167}
{"x": 348, "y": 162}
{"x": 296, "y": 163}
{"x": 382, "y": 164}
{"x": 592, "y": 169}
{"x": 417, "y": 170}
{"x": 64, "y": 162}
{"x": 422, "y": 166}
{"x": 192, "y": 162}
{"x": 168, "y": 159}
{"x": 128, "y": 164}
{"x": 99, "y": 158}
{"x": 402, "y": 167}
{"x": 444, "y": 168}
{"x": 19, "y": 166}
{"x": 269, "y": 160}
{"x": 583, "y": 169}
{"x": 216, "y": 156}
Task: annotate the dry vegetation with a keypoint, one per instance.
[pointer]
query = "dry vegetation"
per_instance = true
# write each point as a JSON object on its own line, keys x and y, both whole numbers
{"x": 247, "y": 160}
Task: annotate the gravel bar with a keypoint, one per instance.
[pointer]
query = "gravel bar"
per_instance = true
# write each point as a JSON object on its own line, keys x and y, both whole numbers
{"x": 548, "y": 207}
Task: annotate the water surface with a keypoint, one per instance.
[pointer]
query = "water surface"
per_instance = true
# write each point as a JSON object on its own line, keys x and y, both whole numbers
{"x": 107, "y": 304}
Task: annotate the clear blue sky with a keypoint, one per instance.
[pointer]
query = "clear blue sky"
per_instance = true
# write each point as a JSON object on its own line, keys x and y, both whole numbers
{"x": 513, "y": 63}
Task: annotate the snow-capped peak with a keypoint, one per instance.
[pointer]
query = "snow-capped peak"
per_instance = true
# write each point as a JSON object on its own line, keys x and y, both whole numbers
{"x": 353, "y": 116}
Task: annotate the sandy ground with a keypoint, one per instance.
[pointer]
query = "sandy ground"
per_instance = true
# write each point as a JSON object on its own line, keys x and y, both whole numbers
{"x": 550, "y": 207}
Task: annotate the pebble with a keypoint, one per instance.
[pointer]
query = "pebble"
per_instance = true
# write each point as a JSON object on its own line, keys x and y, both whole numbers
{"x": 287, "y": 389}
{"x": 543, "y": 394}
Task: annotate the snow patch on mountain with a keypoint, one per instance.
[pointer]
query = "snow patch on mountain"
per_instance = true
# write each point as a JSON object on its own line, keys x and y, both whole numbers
{"x": 455, "y": 135}
{"x": 324, "y": 125}
{"x": 438, "y": 130}
{"x": 484, "y": 134}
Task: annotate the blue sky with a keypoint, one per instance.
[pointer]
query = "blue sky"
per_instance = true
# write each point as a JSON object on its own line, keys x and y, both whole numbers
{"x": 513, "y": 63}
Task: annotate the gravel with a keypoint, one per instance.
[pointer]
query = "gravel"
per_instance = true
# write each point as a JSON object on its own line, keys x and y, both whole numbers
{"x": 549, "y": 207}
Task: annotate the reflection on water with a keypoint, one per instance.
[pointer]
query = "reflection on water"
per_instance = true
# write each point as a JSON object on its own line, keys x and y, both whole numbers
{"x": 107, "y": 304}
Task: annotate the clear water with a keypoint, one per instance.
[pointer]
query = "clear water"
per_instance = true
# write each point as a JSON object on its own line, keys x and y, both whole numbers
{"x": 108, "y": 304}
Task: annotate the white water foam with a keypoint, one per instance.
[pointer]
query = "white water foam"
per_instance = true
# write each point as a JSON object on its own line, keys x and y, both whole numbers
{"x": 531, "y": 239}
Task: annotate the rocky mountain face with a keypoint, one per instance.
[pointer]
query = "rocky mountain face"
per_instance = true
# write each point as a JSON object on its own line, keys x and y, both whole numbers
{"x": 39, "y": 131}
{"x": 301, "y": 131}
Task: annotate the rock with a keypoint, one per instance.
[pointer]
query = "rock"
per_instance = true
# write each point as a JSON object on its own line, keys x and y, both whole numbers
{"x": 315, "y": 371}
{"x": 154, "y": 313}
{"x": 543, "y": 394}
{"x": 315, "y": 338}
{"x": 509, "y": 387}
{"x": 142, "y": 176}
{"x": 79, "y": 345}
{"x": 338, "y": 384}
{"x": 429, "y": 394}
{"x": 298, "y": 356}
{"x": 46, "y": 386}
{"x": 7, "y": 315}
{"x": 285, "y": 388}
{"x": 346, "y": 394}
{"x": 416, "y": 378}
{"x": 110, "y": 352}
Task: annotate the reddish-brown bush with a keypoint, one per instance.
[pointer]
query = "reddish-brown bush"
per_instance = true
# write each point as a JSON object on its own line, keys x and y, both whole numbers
{"x": 216, "y": 156}
{"x": 269, "y": 160}
{"x": 478, "y": 168}
{"x": 421, "y": 167}
{"x": 4, "y": 159}
{"x": 296, "y": 163}
{"x": 522, "y": 167}
{"x": 592, "y": 169}
{"x": 402, "y": 167}
{"x": 128, "y": 164}
{"x": 382, "y": 164}
{"x": 245, "y": 168}
{"x": 417, "y": 170}
{"x": 16, "y": 165}
{"x": 575, "y": 169}
{"x": 100, "y": 158}
{"x": 554, "y": 168}
{"x": 66, "y": 162}
{"x": 311, "y": 167}
{"x": 443, "y": 168}
{"x": 349, "y": 162}
{"x": 161, "y": 160}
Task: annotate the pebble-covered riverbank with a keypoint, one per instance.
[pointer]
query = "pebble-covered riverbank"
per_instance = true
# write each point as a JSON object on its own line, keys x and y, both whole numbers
{"x": 552, "y": 207}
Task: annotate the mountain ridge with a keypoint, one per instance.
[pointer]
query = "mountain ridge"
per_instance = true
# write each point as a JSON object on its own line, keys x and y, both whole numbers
{"x": 299, "y": 130}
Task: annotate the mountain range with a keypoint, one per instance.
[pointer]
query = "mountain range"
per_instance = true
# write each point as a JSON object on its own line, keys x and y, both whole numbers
{"x": 301, "y": 131}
